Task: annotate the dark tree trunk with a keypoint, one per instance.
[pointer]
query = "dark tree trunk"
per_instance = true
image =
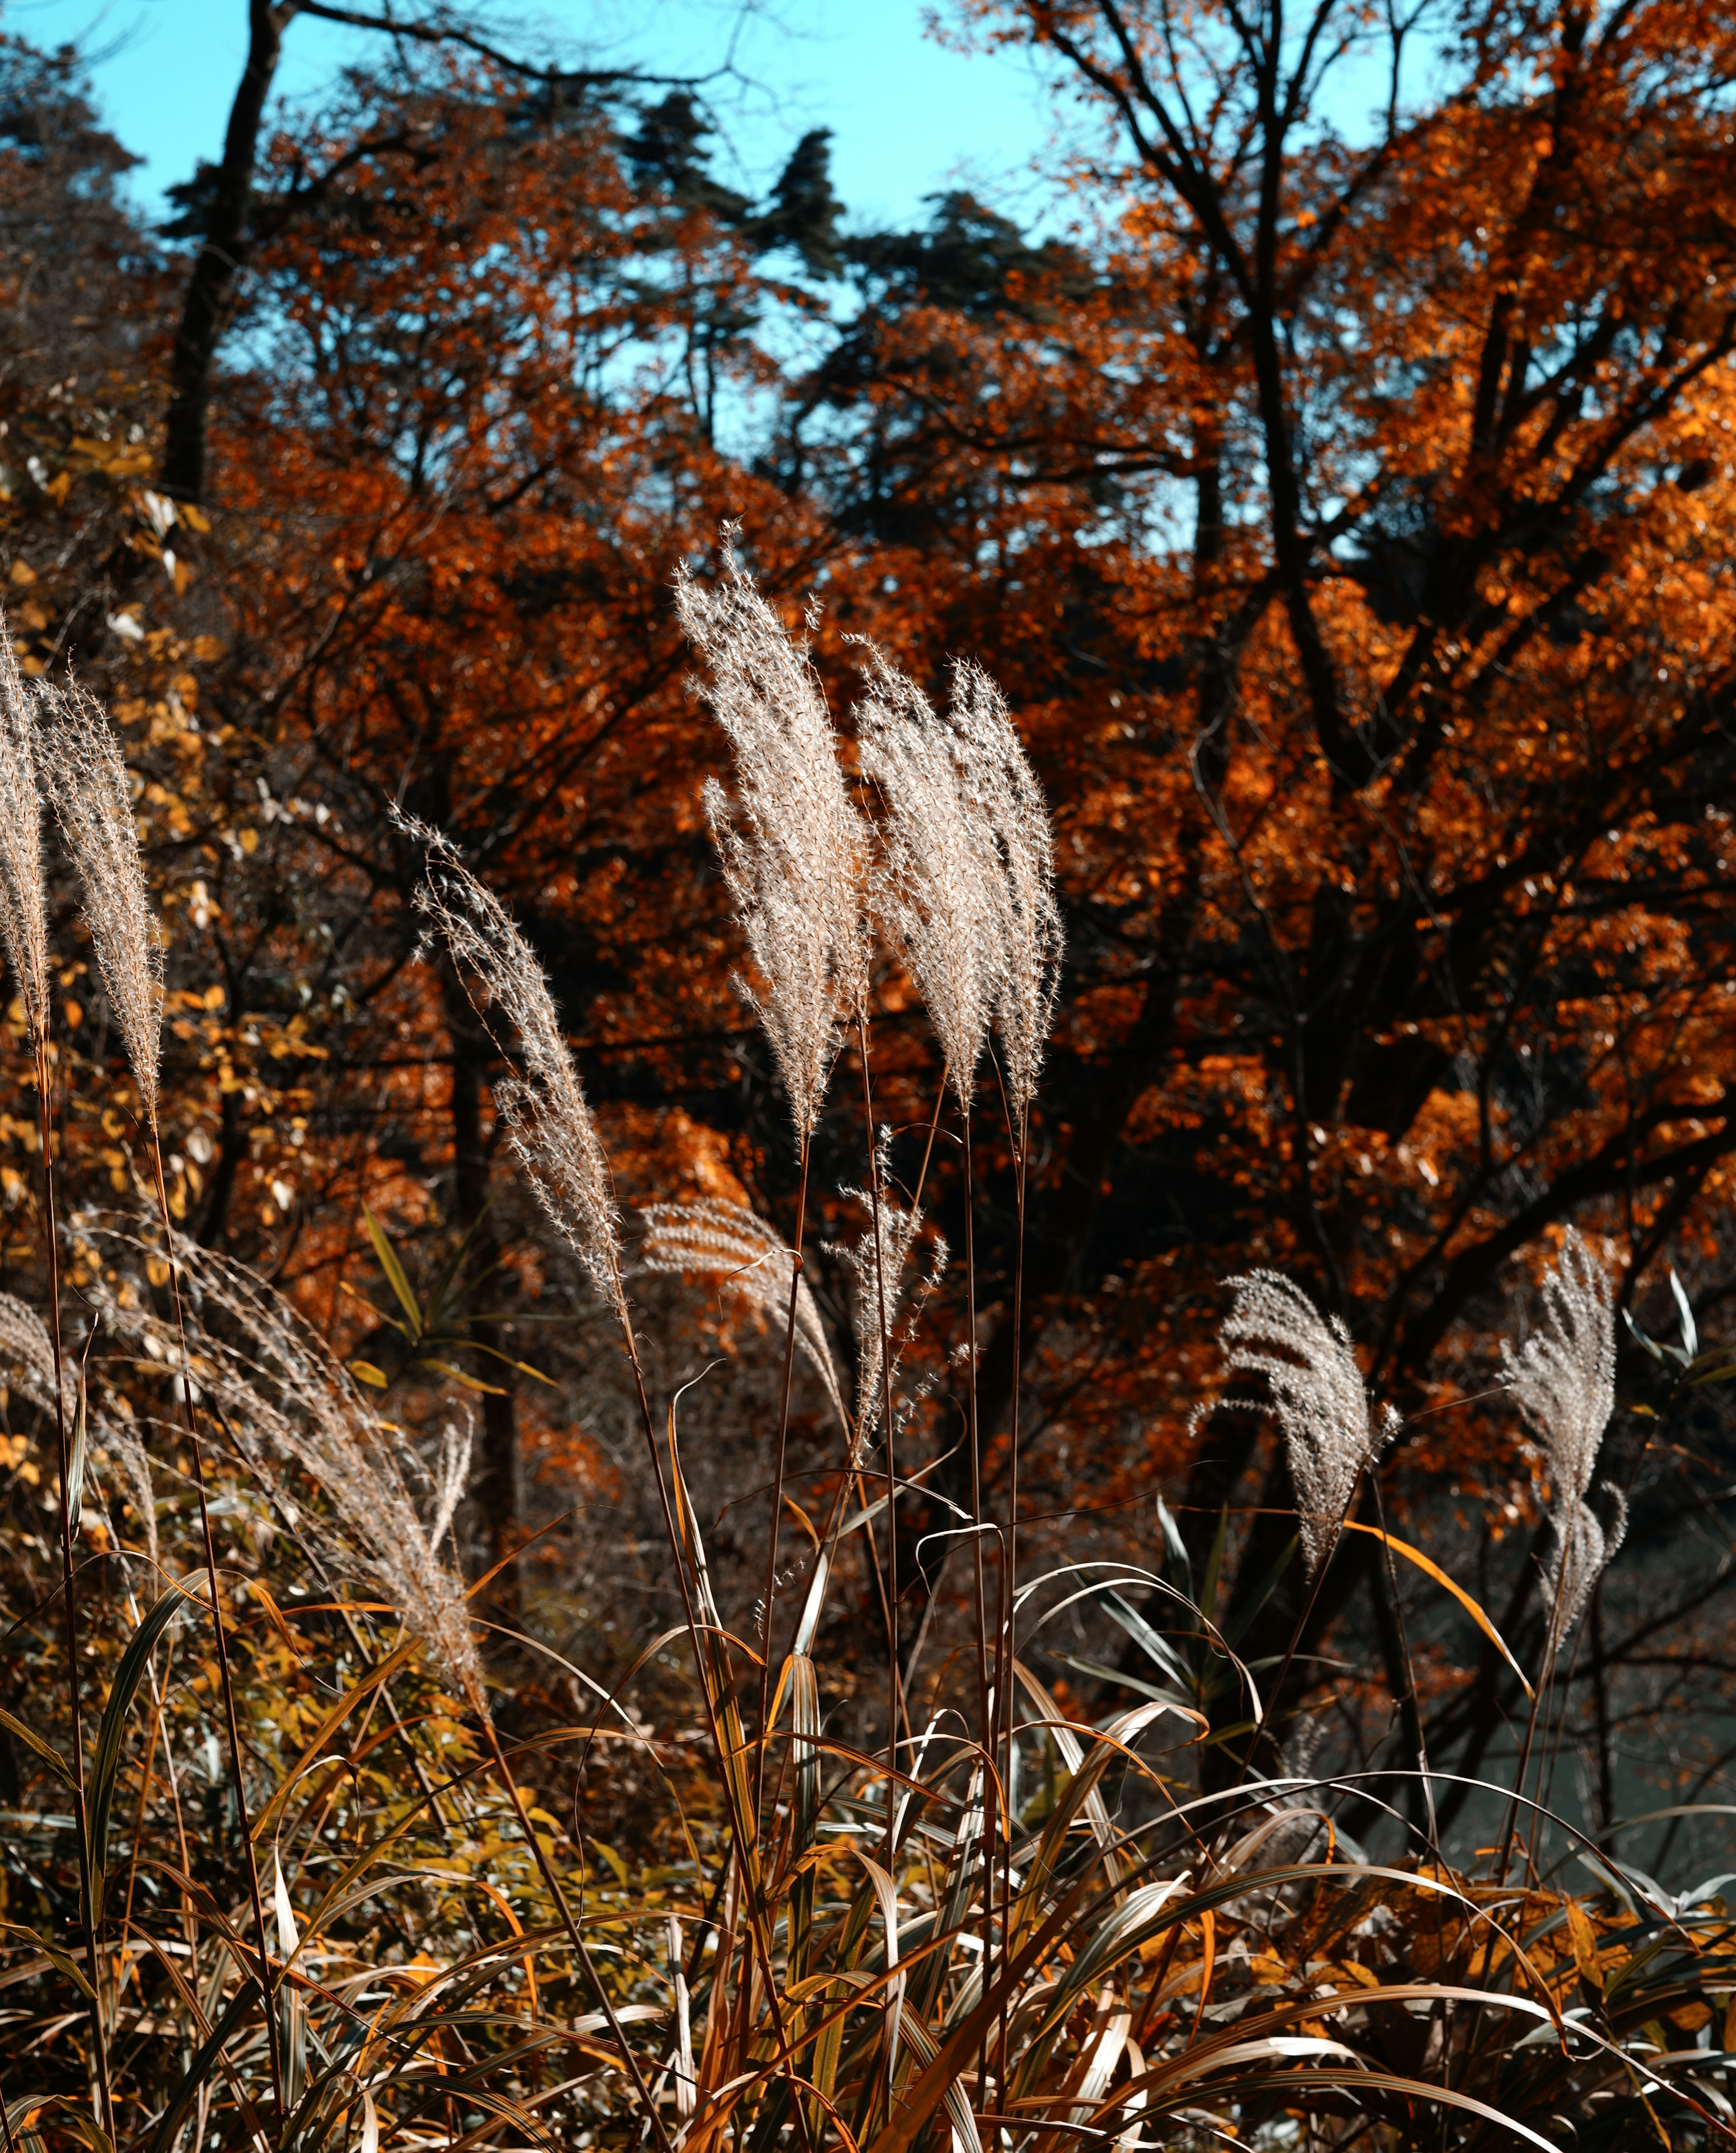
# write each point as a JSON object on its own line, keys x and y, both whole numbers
{"x": 224, "y": 249}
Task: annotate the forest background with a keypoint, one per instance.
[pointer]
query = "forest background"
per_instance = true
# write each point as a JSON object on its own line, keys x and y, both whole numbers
{"x": 1337, "y": 486}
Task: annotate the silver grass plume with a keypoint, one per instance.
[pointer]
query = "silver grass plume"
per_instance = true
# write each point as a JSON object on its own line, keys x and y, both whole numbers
{"x": 116, "y": 1437}
{"x": 897, "y": 1235}
{"x": 1563, "y": 1380}
{"x": 1274, "y": 1330}
{"x": 27, "y": 1364}
{"x": 791, "y": 843}
{"x": 940, "y": 886}
{"x": 729, "y": 1242}
{"x": 274, "y": 1386}
{"x": 548, "y": 1123}
{"x": 86, "y": 781}
{"x": 1006, "y": 795}
{"x": 27, "y": 1353}
{"x": 24, "y": 917}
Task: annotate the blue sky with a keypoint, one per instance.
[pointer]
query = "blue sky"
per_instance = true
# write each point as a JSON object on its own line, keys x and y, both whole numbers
{"x": 910, "y": 116}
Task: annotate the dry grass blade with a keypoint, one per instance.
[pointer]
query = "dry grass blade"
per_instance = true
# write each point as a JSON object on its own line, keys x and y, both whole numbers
{"x": 1563, "y": 1379}
{"x": 791, "y": 843}
{"x": 549, "y": 1125}
{"x": 727, "y": 1241}
{"x": 87, "y": 782}
{"x": 1274, "y": 1330}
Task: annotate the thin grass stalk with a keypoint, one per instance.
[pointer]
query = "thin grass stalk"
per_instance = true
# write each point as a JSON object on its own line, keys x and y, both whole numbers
{"x": 553, "y": 1883}
{"x": 87, "y": 1882}
{"x": 777, "y": 1474}
{"x": 991, "y": 1806}
{"x": 224, "y": 1674}
{"x": 743, "y": 1830}
{"x": 1545, "y": 1681}
{"x": 1412, "y": 1710}
{"x": 894, "y": 1680}
{"x": 835, "y": 1520}
{"x": 1007, "y": 1639}
{"x": 894, "y": 1699}
{"x": 1297, "y": 1634}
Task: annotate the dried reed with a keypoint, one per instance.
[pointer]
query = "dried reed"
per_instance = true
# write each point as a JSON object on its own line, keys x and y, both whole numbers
{"x": 940, "y": 889}
{"x": 549, "y": 1125}
{"x": 1274, "y": 1330}
{"x": 1008, "y": 804}
{"x": 28, "y": 1352}
{"x": 1563, "y": 1380}
{"x": 883, "y": 1310}
{"x": 23, "y": 912}
{"x": 24, "y": 926}
{"x": 87, "y": 782}
{"x": 791, "y": 846}
{"x": 291, "y": 1409}
{"x": 728, "y": 1242}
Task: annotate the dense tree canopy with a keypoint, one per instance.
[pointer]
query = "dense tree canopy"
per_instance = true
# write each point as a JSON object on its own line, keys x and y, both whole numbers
{"x": 1339, "y": 496}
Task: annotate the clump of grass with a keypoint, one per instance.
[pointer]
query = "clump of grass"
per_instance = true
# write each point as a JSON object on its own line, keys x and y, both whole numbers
{"x": 1004, "y": 1926}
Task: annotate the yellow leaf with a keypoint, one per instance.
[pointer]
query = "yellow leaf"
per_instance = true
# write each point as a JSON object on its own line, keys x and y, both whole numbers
{"x": 1584, "y": 1944}
{"x": 364, "y": 1371}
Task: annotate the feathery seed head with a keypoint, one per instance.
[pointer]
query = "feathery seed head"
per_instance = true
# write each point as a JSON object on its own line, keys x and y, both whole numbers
{"x": 726, "y": 1241}
{"x": 277, "y": 1388}
{"x": 1006, "y": 795}
{"x": 549, "y": 1125}
{"x": 940, "y": 889}
{"x": 87, "y": 782}
{"x": 1274, "y": 1330}
{"x": 23, "y": 916}
{"x": 790, "y": 842}
{"x": 26, "y": 1353}
{"x": 1563, "y": 1380}
{"x": 883, "y": 1307}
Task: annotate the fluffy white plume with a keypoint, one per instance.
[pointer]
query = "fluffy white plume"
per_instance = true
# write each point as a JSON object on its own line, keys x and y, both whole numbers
{"x": 791, "y": 843}
{"x": 728, "y": 1242}
{"x": 1563, "y": 1379}
{"x": 941, "y": 884}
{"x": 27, "y": 1352}
{"x": 1004, "y": 793}
{"x": 86, "y": 781}
{"x": 1274, "y": 1330}
{"x": 274, "y": 1388}
{"x": 895, "y": 1321}
{"x": 23, "y": 919}
{"x": 549, "y": 1125}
